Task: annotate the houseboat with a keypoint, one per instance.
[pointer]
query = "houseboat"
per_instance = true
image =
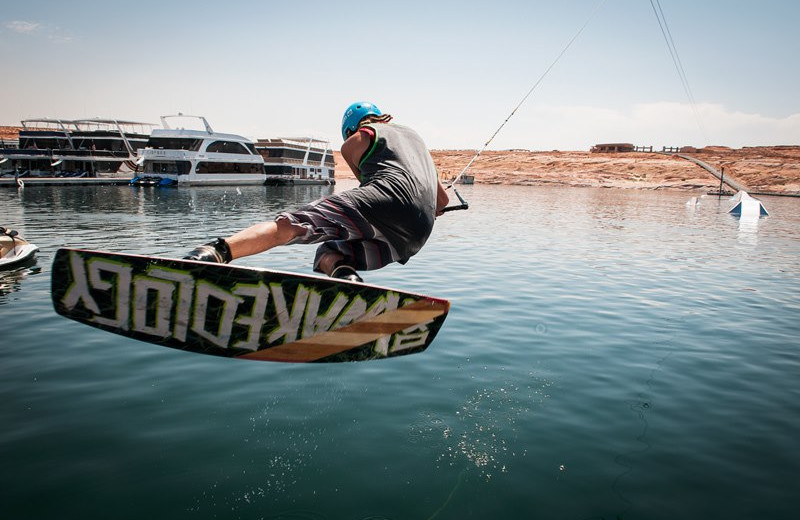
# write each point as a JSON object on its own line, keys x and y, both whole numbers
{"x": 180, "y": 156}
{"x": 74, "y": 148}
{"x": 297, "y": 160}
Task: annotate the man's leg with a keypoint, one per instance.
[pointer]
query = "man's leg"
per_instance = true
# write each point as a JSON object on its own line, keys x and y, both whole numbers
{"x": 336, "y": 266}
{"x": 255, "y": 239}
{"x": 345, "y": 258}
{"x": 263, "y": 236}
{"x": 329, "y": 261}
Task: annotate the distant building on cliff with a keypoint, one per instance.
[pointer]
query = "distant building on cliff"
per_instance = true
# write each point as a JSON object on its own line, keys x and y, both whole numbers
{"x": 612, "y": 148}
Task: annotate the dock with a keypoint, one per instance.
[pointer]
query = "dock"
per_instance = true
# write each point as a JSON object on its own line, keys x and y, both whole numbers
{"x": 11, "y": 182}
{"x": 733, "y": 184}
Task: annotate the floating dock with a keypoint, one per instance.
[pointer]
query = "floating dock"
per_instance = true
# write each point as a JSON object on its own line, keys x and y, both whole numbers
{"x": 11, "y": 182}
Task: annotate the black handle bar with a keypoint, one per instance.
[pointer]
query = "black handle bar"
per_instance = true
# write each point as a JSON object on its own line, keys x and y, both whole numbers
{"x": 464, "y": 204}
{"x": 455, "y": 208}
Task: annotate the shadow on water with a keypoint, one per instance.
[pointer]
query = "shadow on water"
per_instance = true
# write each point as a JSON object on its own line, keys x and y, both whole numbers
{"x": 641, "y": 407}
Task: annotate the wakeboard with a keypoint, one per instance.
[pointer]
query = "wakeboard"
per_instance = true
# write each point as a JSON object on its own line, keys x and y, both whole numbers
{"x": 241, "y": 312}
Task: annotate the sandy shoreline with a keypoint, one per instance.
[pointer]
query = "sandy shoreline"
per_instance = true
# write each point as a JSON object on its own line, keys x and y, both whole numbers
{"x": 769, "y": 169}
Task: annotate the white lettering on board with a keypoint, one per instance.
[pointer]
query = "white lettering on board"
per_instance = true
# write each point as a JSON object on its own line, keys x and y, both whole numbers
{"x": 121, "y": 280}
{"x": 204, "y": 291}
{"x": 183, "y": 306}
{"x": 288, "y": 322}
{"x": 314, "y": 323}
{"x": 409, "y": 338}
{"x": 144, "y": 287}
{"x": 385, "y": 303}
{"x": 257, "y": 318}
{"x": 168, "y": 303}
{"x": 78, "y": 291}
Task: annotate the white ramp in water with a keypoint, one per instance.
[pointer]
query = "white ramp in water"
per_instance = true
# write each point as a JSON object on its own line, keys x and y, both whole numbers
{"x": 745, "y": 206}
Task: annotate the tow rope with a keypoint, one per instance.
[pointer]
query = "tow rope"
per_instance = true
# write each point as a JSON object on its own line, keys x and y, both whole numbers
{"x": 464, "y": 204}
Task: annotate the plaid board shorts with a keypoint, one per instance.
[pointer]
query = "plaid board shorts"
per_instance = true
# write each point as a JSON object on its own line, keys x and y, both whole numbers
{"x": 341, "y": 228}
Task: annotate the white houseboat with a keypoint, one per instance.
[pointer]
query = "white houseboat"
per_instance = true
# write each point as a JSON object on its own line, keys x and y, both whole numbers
{"x": 297, "y": 160}
{"x": 74, "y": 148}
{"x": 179, "y": 156}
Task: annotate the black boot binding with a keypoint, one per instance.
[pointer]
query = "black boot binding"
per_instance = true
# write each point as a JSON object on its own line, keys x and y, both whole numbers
{"x": 217, "y": 251}
{"x": 345, "y": 272}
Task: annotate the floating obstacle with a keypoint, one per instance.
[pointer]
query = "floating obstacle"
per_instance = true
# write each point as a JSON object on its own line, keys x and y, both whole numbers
{"x": 745, "y": 206}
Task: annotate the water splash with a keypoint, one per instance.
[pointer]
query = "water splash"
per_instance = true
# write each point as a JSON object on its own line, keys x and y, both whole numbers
{"x": 483, "y": 430}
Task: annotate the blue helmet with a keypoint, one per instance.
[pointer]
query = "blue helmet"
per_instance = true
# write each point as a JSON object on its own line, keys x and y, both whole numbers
{"x": 355, "y": 113}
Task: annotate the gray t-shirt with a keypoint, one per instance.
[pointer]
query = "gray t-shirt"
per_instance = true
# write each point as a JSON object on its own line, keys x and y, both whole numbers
{"x": 398, "y": 188}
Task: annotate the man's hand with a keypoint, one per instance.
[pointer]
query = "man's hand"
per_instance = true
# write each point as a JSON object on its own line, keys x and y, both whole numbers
{"x": 441, "y": 199}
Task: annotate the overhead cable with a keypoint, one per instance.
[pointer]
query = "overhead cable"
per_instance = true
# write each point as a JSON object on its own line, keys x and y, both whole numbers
{"x": 563, "y": 51}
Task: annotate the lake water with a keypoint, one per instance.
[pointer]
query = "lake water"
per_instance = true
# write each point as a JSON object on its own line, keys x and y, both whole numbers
{"x": 609, "y": 354}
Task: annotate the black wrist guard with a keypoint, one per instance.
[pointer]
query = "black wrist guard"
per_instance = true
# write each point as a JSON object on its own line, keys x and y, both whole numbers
{"x": 217, "y": 251}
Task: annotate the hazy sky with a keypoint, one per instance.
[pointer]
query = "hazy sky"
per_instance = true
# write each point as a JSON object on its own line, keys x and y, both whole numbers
{"x": 451, "y": 69}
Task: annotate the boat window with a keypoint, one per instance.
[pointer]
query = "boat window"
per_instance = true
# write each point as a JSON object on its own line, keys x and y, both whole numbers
{"x": 108, "y": 144}
{"x": 173, "y": 167}
{"x": 43, "y": 143}
{"x": 174, "y": 143}
{"x": 277, "y": 170}
{"x": 227, "y": 147}
{"x": 284, "y": 153}
{"x": 252, "y": 148}
{"x": 228, "y": 167}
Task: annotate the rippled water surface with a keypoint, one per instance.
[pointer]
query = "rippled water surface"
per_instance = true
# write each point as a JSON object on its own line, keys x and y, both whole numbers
{"x": 609, "y": 354}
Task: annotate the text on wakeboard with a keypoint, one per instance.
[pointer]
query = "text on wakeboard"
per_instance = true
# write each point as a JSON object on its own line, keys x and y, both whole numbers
{"x": 170, "y": 303}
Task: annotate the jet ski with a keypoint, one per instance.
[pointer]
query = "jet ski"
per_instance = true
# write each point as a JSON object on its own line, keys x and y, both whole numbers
{"x": 14, "y": 250}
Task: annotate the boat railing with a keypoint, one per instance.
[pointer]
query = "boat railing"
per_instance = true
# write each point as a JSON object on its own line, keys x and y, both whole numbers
{"x": 283, "y": 160}
{"x": 303, "y": 149}
{"x": 94, "y": 153}
{"x": 28, "y": 152}
{"x": 54, "y": 152}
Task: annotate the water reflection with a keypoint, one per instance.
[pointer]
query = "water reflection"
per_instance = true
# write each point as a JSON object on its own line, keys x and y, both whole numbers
{"x": 748, "y": 230}
{"x": 139, "y": 200}
{"x": 147, "y": 220}
{"x": 11, "y": 281}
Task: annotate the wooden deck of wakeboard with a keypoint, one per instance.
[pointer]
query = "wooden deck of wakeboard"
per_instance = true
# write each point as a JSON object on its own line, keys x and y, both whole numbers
{"x": 241, "y": 312}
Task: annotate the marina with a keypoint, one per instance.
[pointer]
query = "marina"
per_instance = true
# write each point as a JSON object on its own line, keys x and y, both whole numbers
{"x": 51, "y": 152}
{"x": 297, "y": 160}
{"x": 74, "y": 148}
